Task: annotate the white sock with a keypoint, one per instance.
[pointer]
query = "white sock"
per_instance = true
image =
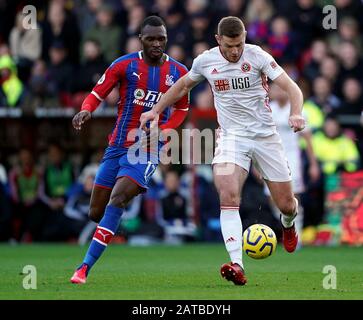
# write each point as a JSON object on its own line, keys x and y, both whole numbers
{"x": 288, "y": 221}
{"x": 231, "y": 226}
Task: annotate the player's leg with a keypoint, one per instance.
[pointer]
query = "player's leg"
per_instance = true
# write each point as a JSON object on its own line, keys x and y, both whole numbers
{"x": 99, "y": 198}
{"x": 269, "y": 158}
{"x": 229, "y": 179}
{"x": 123, "y": 192}
{"x": 283, "y": 197}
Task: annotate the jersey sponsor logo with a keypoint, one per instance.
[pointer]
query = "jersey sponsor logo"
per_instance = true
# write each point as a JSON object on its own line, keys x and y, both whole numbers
{"x": 147, "y": 99}
{"x": 139, "y": 94}
{"x": 102, "y": 79}
{"x": 240, "y": 83}
{"x": 169, "y": 81}
{"x": 245, "y": 67}
{"x": 221, "y": 85}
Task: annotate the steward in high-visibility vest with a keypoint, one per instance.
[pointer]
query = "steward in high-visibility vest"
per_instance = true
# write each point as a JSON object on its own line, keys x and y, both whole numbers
{"x": 11, "y": 86}
{"x": 334, "y": 150}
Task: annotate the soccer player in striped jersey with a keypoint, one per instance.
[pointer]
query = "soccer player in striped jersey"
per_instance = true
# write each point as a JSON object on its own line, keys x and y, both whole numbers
{"x": 143, "y": 77}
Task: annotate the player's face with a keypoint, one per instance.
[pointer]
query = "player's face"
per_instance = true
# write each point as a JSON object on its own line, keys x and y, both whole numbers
{"x": 232, "y": 48}
{"x": 153, "y": 40}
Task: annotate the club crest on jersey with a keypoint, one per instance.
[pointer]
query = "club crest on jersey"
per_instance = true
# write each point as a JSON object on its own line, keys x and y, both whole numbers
{"x": 169, "y": 81}
{"x": 245, "y": 67}
{"x": 139, "y": 94}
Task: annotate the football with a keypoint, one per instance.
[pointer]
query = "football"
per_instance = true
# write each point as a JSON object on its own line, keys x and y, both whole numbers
{"x": 259, "y": 241}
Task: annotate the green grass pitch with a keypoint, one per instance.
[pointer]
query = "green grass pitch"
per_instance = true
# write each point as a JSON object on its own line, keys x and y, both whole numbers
{"x": 179, "y": 273}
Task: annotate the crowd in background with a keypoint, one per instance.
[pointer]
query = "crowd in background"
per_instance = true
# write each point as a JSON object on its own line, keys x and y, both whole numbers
{"x": 58, "y": 63}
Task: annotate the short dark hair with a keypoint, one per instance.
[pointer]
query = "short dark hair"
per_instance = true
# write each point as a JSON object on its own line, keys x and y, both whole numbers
{"x": 154, "y": 21}
{"x": 231, "y": 27}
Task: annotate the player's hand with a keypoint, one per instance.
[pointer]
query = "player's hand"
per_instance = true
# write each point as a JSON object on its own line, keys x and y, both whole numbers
{"x": 150, "y": 138}
{"x": 80, "y": 118}
{"x": 148, "y": 116}
{"x": 297, "y": 122}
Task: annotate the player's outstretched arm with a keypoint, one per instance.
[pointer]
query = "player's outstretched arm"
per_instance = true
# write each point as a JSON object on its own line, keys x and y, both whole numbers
{"x": 88, "y": 106}
{"x": 180, "y": 89}
{"x": 296, "y": 120}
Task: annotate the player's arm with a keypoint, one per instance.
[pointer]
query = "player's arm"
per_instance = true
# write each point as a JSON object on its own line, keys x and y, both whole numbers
{"x": 101, "y": 90}
{"x": 179, "y": 90}
{"x": 314, "y": 169}
{"x": 296, "y": 120}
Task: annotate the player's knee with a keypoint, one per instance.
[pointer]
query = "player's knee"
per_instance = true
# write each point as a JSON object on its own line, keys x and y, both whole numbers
{"x": 119, "y": 200}
{"x": 230, "y": 198}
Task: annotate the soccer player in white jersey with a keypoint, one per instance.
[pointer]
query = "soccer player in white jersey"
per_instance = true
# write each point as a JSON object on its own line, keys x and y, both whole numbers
{"x": 237, "y": 73}
{"x": 280, "y": 106}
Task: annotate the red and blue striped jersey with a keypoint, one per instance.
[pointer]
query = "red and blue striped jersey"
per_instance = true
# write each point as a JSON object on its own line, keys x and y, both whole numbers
{"x": 140, "y": 87}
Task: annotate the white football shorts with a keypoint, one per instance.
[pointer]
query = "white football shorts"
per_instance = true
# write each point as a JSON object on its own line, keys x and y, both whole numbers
{"x": 266, "y": 154}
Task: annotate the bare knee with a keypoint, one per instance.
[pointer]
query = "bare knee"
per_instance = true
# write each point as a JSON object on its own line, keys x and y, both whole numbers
{"x": 288, "y": 206}
{"x": 119, "y": 200}
{"x": 230, "y": 198}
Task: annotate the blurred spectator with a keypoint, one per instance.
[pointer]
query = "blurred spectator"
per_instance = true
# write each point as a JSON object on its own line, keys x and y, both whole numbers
{"x": 199, "y": 30}
{"x": 323, "y": 96}
{"x": 174, "y": 210}
{"x": 281, "y": 41}
{"x": 25, "y": 46}
{"x": 334, "y": 150}
{"x": 319, "y": 51}
{"x": 86, "y": 14}
{"x": 173, "y": 203}
{"x": 306, "y": 18}
{"x": 204, "y": 99}
{"x": 60, "y": 71}
{"x": 329, "y": 68}
{"x": 230, "y": 8}
{"x": 110, "y": 45}
{"x": 42, "y": 91}
{"x": 90, "y": 71}
{"x": 258, "y": 15}
{"x": 25, "y": 181}
{"x": 77, "y": 206}
{"x": 132, "y": 44}
{"x": 350, "y": 111}
{"x": 11, "y": 88}
{"x": 348, "y": 30}
{"x": 135, "y": 17}
{"x": 58, "y": 177}
{"x": 177, "y": 26}
{"x": 349, "y": 8}
{"x": 163, "y": 7}
{"x": 351, "y": 64}
{"x": 196, "y": 6}
{"x": 60, "y": 28}
{"x": 177, "y": 52}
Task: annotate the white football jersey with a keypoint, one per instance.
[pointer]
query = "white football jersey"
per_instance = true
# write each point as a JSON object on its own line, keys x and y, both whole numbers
{"x": 239, "y": 89}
